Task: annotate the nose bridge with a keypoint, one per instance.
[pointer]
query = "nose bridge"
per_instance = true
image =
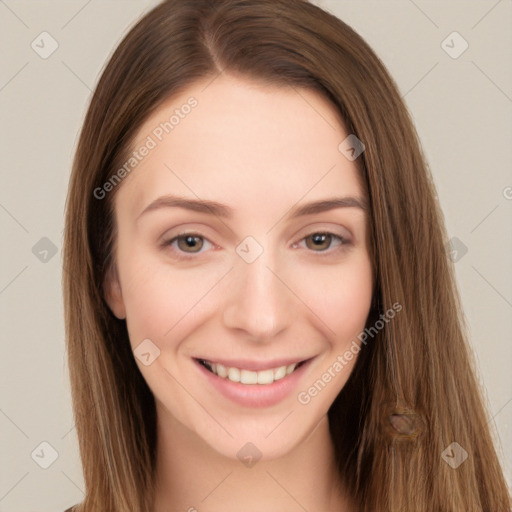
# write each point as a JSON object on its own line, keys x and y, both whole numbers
{"x": 258, "y": 302}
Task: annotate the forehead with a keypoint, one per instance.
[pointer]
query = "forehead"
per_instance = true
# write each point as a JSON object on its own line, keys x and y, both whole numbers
{"x": 233, "y": 140}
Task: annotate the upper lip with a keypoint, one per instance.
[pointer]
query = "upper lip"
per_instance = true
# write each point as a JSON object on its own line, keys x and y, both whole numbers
{"x": 251, "y": 364}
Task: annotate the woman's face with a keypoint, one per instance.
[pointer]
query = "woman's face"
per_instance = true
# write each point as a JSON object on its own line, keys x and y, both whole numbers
{"x": 217, "y": 260}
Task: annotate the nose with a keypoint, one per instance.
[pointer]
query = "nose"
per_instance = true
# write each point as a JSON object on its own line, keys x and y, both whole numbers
{"x": 258, "y": 300}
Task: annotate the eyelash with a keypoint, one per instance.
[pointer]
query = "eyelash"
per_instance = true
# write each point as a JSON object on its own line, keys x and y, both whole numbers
{"x": 326, "y": 252}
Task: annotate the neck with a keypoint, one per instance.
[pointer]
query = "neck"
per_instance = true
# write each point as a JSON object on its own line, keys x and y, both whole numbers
{"x": 192, "y": 476}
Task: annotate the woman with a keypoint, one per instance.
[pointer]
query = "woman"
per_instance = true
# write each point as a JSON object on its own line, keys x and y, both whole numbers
{"x": 260, "y": 310}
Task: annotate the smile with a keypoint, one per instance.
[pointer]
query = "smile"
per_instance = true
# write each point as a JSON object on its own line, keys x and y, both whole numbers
{"x": 251, "y": 383}
{"x": 245, "y": 376}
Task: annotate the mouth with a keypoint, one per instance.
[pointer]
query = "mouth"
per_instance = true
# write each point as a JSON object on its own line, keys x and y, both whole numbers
{"x": 250, "y": 383}
{"x": 251, "y": 377}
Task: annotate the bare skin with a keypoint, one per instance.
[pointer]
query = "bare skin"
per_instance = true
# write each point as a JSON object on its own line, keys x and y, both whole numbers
{"x": 262, "y": 152}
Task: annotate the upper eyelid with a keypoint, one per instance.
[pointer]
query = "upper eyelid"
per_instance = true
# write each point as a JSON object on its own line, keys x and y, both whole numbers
{"x": 310, "y": 230}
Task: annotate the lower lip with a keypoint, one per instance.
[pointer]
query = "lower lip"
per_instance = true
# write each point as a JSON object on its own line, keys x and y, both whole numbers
{"x": 255, "y": 395}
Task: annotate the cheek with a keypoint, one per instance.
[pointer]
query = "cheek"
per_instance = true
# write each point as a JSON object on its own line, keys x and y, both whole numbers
{"x": 160, "y": 300}
{"x": 342, "y": 300}
{"x": 149, "y": 297}
{"x": 340, "y": 296}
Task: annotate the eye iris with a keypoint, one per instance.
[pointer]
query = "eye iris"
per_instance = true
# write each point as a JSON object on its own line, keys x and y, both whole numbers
{"x": 190, "y": 243}
{"x": 319, "y": 239}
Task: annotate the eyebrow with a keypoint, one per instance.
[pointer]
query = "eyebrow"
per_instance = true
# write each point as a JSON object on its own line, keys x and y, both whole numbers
{"x": 221, "y": 210}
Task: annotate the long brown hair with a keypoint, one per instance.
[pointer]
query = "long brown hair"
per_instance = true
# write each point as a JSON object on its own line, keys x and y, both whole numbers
{"x": 413, "y": 390}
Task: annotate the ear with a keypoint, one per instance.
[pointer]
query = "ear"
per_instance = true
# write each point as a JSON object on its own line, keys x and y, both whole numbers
{"x": 113, "y": 293}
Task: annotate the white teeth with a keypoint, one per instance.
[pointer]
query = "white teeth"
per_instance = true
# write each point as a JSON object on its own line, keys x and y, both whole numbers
{"x": 250, "y": 377}
{"x": 234, "y": 374}
{"x": 280, "y": 373}
{"x": 265, "y": 377}
{"x": 221, "y": 371}
{"x": 290, "y": 368}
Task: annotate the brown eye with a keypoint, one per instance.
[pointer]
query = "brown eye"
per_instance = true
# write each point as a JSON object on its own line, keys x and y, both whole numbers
{"x": 189, "y": 243}
{"x": 319, "y": 241}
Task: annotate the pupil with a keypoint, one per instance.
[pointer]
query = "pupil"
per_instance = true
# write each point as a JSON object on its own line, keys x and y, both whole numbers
{"x": 319, "y": 239}
{"x": 191, "y": 242}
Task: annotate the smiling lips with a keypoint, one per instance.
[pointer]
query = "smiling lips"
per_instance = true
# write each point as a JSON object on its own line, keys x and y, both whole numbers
{"x": 247, "y": 376}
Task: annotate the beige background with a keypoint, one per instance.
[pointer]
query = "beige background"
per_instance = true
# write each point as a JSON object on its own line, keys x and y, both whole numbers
{"x": 462, "y": 108}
